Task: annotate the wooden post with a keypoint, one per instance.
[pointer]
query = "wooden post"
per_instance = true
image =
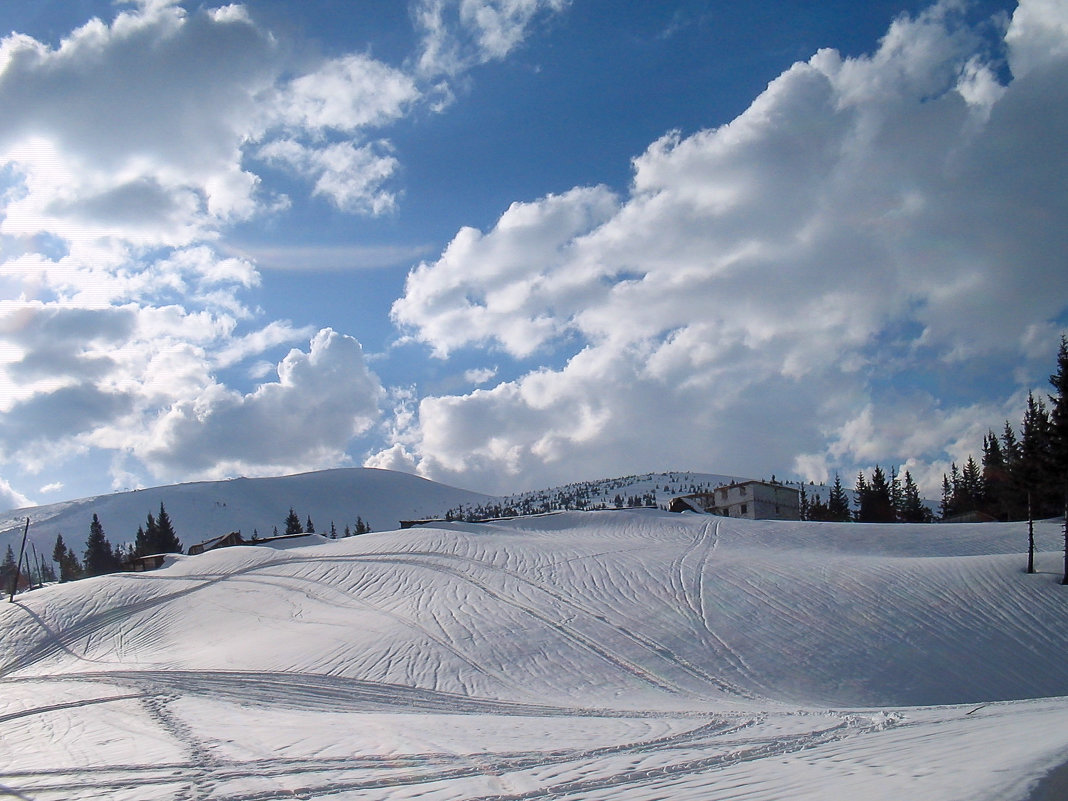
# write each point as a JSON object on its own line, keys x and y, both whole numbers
{"x": 18, "y": 567}
{"x": 1030, "y": 536}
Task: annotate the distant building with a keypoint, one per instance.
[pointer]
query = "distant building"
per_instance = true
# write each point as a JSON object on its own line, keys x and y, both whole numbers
{"x": 754, "y": 500}
{"x": 139, "y": 564}
{"x": 224, "y": 541}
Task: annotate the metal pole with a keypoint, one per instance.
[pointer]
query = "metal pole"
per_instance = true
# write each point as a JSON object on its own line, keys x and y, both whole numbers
{"x": 1030, "y": 536}
{"x": 1064, "y": 580}
{"x": 18, "y": 567}
{"x": 37, "y": 560}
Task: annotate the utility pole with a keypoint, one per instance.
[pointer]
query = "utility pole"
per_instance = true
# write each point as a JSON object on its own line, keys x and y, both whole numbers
{"x": 1030, "y": 536}
{"x": 18, "y": 567}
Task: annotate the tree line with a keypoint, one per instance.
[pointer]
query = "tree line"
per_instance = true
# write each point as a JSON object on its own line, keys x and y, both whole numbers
{"x": 156, "y": 536}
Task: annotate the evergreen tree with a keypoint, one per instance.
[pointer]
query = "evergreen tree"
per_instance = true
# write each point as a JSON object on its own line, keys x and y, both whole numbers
{"x": 971, "y": 487}
{"x": 69, "y": 567}
{"x": 1058, "y": 423}
{"x": 1035, "y": 456}
{"x": 149, "y": 542}
{"x": 99, "y": 558}
{"x": 333, "y": 530}
{"x": 818, "y": 510}
{"x": 860, "y": 495}
{"x": 166, "y": 539}
{"x": 913, "y": 509}
{"x": 876, "y": 504}
{"x": 1015, "y": 493}
{"x": 293, "y": 525}
{"x": 7, "y": 571}
{"x": 896, "y": 497}
{"x": 1058, "y": 440}
{"x": 309, "y": 527}
{"x": 945, "y": 508}
{"x": 838, "y": 502}
{"x": 996, "y": 489}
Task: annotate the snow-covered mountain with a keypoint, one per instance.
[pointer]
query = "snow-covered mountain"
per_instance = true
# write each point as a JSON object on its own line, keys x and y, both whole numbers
{"x": 207, "y": 509}
{"x": 381, "y": 498}
{"x": 628, "y": 655}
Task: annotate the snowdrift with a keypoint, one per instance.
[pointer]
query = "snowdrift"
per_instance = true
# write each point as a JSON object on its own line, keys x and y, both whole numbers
{"x": 625, "y": 655}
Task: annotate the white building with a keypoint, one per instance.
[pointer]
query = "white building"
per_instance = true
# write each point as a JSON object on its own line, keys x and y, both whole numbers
{"x": 755, "y": 500}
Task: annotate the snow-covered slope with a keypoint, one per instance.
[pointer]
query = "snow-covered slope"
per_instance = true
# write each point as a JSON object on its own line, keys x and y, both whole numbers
{"x": 626, "y": 655}
{"x": 207, "y": 509}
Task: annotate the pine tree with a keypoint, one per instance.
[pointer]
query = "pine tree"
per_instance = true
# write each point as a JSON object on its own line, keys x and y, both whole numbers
{"x": 166, "y": 539}
{"x": 913, "y": 509}
{"x": 99, "y": 558}
{"x": 880, "y": 507}
{"x": 860, "y": 495}
{"x": 309, "y": 527}
{"x": 1035, "y": 456}
{"x": 971, "y": 487}
{"x": 69, "y": 567}
{"x": 150, "y": 543}
{"x": 1058, "y": 418}
{"x": 8, "y": 571}
{"x": 996, "y": 489}
{"x": 897, "y": 498}
{"x": 333, "y": 530}
{"x": 1058, "y": 440}
{"x": 945, "y": 509}
{"x": 838, "y": 502}
{"x": 1015, "y": 497}
{"x": 818, "y": 510}
{"x": 293, "y": 525}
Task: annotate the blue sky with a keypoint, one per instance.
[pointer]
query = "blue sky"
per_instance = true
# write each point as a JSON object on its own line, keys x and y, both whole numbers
{"x": 513, "y": 243}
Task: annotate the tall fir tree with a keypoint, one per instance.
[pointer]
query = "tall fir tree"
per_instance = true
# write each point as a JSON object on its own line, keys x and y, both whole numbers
{"x": 945, "y": 508}
{"x": 293, "y": 524}
{"x": 166, "y": 539}
{"x": 1035, "y": 457}
{"x": 874, "y": 502}
{"x": 913, "y": 509}
{"x": 69, "y": 566}
{"x": 838, "y": 502}
{"x": 8, "y": 571}
{"x": 1058, "y": 421}
{"x": 996, "y": 488}
{"x": 99, "y": 557}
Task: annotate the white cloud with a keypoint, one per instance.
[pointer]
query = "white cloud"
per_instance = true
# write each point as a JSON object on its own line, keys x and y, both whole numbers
{"x": 899, "y": 212}
{"x": 347, "y": 94}
{"x": 458, "y": 34}
{"x": 11, "y": 498}
{"x": 302, "y": 421}
{"x": 351, "y": 177}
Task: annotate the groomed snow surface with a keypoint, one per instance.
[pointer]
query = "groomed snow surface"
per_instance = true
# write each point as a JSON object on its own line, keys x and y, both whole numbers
{"x": 626, "y": 655}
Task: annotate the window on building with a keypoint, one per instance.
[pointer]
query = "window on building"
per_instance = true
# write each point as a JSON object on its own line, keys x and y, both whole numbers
{"x": 744, "y": 509}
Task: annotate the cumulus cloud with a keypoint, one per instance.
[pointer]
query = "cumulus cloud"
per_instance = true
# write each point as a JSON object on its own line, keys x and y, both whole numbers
{"x": 304, "y": 420}
{"x": 891, "y": 218}
{"x": 128, "y": 150}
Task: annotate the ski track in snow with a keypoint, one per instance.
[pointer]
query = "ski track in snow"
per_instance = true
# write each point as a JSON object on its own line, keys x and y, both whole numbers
{"x": 633, "y": 656}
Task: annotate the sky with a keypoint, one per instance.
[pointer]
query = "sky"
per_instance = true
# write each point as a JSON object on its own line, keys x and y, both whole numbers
{"x": 508, "y": 244}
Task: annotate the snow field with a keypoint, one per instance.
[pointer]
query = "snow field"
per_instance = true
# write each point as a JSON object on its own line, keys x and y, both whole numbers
{"x": 619, "y": 655}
